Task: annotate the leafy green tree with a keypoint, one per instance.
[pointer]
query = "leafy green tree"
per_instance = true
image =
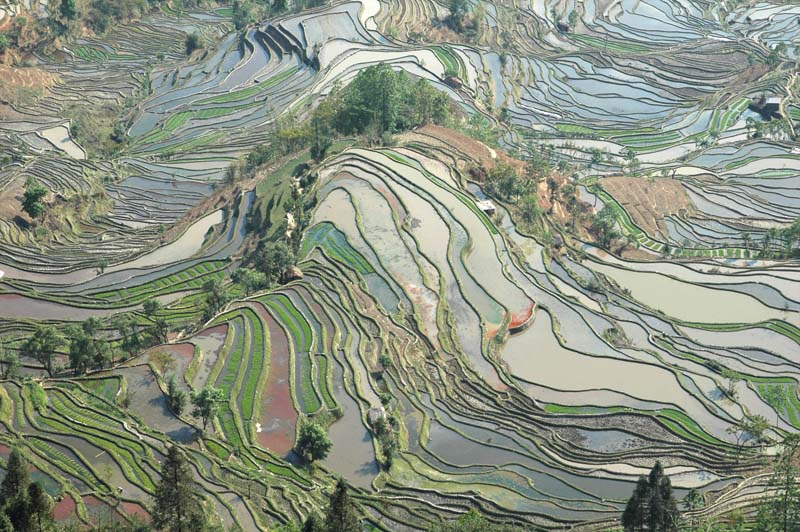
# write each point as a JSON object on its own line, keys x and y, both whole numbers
{"x": 473, "y": 521}
{"x": 458, "y": 11}
{"x": 342, "y": 514}
{"x": 68, "y": 9}
{"x": 777, "y": 397}
{"x": 5, "y": 42}
{"x": 751, "y": 428}
{"x": 733, "y": 379}
{"x": 313, "y": 443}
{"x": 163, "y": 362}
{"x": 216, "y": 298}
{"x": 86, "y": 348}
{"x": 206, "y": 403}
{"x": 9, "y": 362}
{"x": 652, "y": 507}
{"x": 250, "y": 280}
{"x": 274, "y": 260}
{"x": 131, "y": 340}
{"x": 42, "y": 345}
{"x": 604, "y": 228}
{"x": 176, "y": 398}
{"x": 175, "y": 498}
{"x": 504, "y": 181}
{"x": 243, "y": 14}
{"x": 160, "y": 328}
{"x": 693, "y": 501}
{"x": 32, "y": 198}
{"x": 25, "y": 505}
{"x": 150, "y": 307}
{"x": 193, "y": 42}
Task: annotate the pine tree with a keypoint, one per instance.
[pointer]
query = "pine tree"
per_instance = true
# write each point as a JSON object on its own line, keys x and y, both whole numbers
{"x": 40, "y": 506}
{"x": 652, "y": 506}
{"x": 633, "y": 518}
{"x": 342, "y": 515}
{"x": 175, "y": 501}
{"x": 16, "y": 480}
{"x": 313, "y": 523}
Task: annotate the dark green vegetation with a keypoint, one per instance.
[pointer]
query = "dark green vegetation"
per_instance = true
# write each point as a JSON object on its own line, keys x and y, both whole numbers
{"x": 652, "y": 505}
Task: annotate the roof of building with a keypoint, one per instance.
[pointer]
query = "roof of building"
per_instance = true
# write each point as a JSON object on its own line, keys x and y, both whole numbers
{"x": 486, "y": 205}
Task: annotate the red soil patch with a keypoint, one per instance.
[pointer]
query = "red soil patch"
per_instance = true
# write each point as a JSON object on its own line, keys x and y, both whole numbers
{"x": 471, "y": 148}
{"x": 278, "y": 415}
{"x": 65, "y": 509}
{"x": 649, "y": 201}
{"x": 26, "y": 77}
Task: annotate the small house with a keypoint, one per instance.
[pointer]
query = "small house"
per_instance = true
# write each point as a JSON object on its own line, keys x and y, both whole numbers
{"x": 374, "y": 414}
{"x": 487, "y": 206}
{"x": 453, "y": 82}
{"x": 768, "y": 108}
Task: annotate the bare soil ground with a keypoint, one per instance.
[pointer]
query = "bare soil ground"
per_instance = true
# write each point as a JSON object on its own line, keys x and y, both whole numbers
{"x": 649, "y": 202}
{"x": 469, "y": 147}
{"x": 20, "y": 84}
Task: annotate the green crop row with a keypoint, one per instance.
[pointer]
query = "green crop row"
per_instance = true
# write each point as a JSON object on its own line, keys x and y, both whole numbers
{"x": 257, "y": 365}
{"x": 335, "y": 245}
{"x": 251, "y": 91}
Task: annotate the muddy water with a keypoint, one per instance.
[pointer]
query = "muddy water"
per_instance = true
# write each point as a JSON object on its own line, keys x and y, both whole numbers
{"x": 536, "y": 356}
{"x": 210, "y": 343}
{"x": 183, "y": 248}
{"x": 352, "y": 455}
{"x": 21, "y": 307}
{"x": 689, "y": 302}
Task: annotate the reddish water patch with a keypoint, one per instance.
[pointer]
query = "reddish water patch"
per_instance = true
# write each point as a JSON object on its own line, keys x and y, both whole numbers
{"x": 217, "y": 330}
{"x": 65, "y": 509}
{"x": 278, "y": 416}
{"x": 519, "y": 320}
{"x": 99, "y": 510}
{"x": 132, "y": 508}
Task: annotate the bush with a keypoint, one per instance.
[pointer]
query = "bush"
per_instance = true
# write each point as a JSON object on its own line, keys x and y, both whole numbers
{"x": 193, "y": 42}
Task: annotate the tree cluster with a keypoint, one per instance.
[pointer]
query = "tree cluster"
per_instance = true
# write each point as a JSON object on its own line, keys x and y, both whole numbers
{"x": 86, "y": 344}
{"x": 378, "y": 102}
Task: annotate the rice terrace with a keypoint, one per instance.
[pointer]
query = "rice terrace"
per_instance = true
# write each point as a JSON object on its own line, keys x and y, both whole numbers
{"x": 448, "y": 265}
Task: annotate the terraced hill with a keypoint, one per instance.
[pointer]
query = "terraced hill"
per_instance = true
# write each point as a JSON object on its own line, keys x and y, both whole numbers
{"x": 530, "y": 376}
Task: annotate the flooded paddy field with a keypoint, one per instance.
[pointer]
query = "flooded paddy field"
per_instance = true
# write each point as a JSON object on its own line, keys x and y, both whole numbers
{"x": 534, "y": 374}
